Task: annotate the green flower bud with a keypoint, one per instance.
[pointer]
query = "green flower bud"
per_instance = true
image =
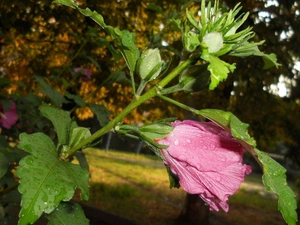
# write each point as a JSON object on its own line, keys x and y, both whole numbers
{"x": 194, "y": 78}
{"x": 149, "y": 64}
{"x": 191, "y": 41}
{"x": 214, "y": 41}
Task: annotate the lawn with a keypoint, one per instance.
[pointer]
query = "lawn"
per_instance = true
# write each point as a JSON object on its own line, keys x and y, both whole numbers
{"x": 137, "y": 187}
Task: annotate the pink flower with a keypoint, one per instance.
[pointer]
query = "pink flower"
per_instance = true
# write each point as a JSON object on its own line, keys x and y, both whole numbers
{"x": 207, "y": 160}
{"x": 86, "y": 73}
{"x": 9, "y": 117}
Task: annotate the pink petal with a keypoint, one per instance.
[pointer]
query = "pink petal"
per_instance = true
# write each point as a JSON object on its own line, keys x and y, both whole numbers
{"x": 207, "y": 160}
{"x": 10, "y": 116}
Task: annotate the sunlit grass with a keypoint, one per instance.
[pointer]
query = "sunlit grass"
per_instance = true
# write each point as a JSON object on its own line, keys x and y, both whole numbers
{"x": 137, "y": 187}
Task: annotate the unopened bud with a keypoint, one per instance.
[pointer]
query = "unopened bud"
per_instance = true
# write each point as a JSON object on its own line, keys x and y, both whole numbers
{"x": 214, "y": 41}
{"x": 149, "y": 65}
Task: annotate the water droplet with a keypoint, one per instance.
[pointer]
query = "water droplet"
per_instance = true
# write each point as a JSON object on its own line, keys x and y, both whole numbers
{"x": 212, "y": 146}
{"x": 176, "y": 142}
{"x": 188, "y": 140}
{"x": 45, "y": 203}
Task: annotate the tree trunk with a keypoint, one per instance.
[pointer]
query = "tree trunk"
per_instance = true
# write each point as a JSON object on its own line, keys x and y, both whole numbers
{"x": 194, "y": 212}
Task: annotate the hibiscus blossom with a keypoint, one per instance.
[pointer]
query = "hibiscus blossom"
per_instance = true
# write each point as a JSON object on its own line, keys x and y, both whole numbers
{"x": 207, "y": 160}
{"x": 85, "y": 73}
{"x": 9, "y": 117}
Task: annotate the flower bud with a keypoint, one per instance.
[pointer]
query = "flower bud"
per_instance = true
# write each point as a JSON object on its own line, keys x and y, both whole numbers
{"x": 191, "y": 41}
{"x": 149, "y": 65}
{"x": 207, "y": 160}
{"x": 194, "y": 78}
{"x": 214, "y": 41}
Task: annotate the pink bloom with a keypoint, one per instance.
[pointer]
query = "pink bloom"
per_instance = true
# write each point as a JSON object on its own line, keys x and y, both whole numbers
{"x": 207, "y": 160}
{"x": 86, "y": 73}
{"x": 9, "y": 117}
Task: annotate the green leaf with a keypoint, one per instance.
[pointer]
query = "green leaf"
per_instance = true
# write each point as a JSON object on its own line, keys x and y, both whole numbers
{"x": 218, "y": 69}
{"x": 247, "y": 49}
{"x": 155, "y": 7}
{"x": 270, "y": 60}
{"x": 230, "y": 123}
{"x": 67, "y": 213}
{"x": 3, "y": 165}
{"x": 77, "y": 135}
{"x": 66, "y": 3}
{"x": 129, "y": 51}
{"x": 46, "y": 180}
{"x": 173, "y": 178}
{"x": 101, "y": 112}
{"x": 61, "y": 121}
{"x": 274, "y": 179}
{"x": 76, "y": 98}
{"x": 86, "y": 12}
{"x": 80, "y": 156}
{"x": 56, "y": 97}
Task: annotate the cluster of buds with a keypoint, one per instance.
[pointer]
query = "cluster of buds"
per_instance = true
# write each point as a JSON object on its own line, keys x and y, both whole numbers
{"x": 216, "y": 34}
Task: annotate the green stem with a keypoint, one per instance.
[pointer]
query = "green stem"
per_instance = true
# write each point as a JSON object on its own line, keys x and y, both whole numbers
{"x": 132, "y": 82}
{"x": 154, "y": 91}
{"x": 174, "y": 102}
{"x": 140, "y": 88}
{"x": 170, "y": 90}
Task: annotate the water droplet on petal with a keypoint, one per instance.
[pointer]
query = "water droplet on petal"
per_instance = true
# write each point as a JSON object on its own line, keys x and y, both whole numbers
{"x": 188, "y": 141}
{"x": 212, "y": 146}
{"x": 176, "y": 142}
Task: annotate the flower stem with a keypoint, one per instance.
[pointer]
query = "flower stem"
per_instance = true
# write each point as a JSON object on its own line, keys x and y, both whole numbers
{"x": 132, "y": 82}
{"x": 154, "y": 91}
{"x": 174, "y": 102}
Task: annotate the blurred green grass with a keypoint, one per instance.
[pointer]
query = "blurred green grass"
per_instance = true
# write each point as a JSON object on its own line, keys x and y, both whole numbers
{"x": 137, "y": 187}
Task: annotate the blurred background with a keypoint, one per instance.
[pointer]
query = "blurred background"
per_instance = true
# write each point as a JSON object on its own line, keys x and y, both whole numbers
{"x": 43, "y": 43}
